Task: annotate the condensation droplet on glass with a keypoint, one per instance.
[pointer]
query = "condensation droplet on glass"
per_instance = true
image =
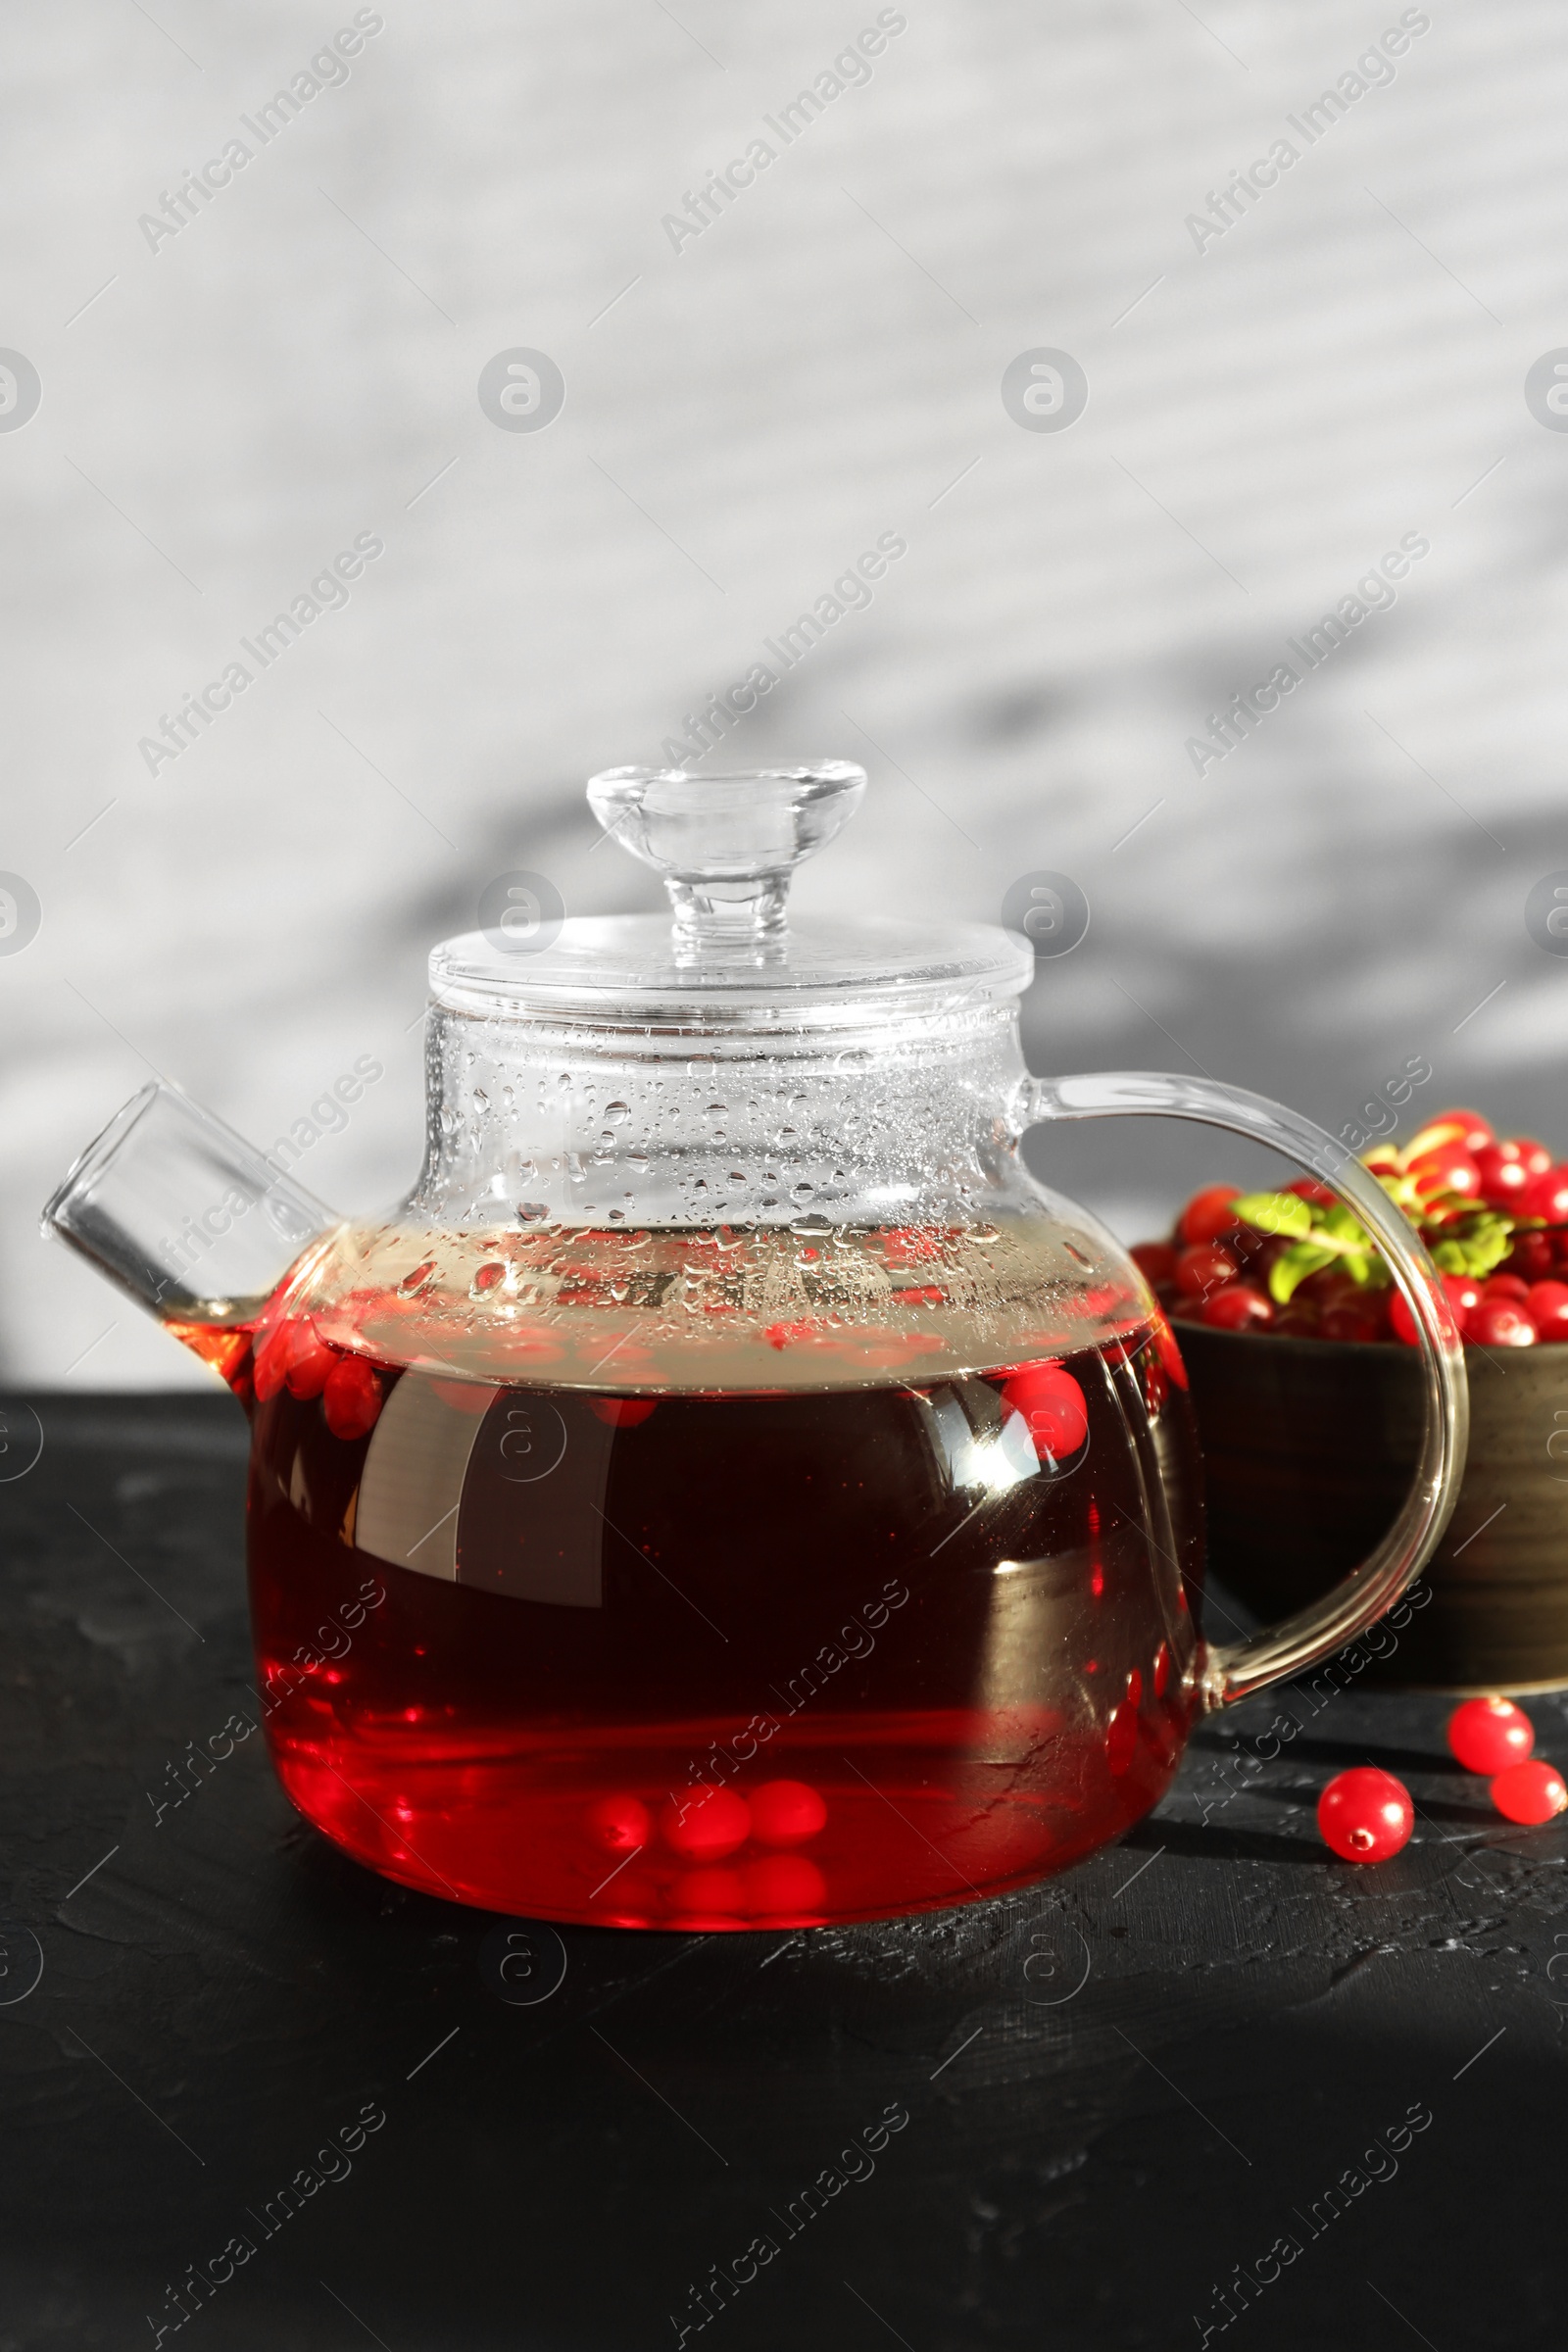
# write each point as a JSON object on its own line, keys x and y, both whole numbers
{"x": 533, "y": 1212}
{"x": 802, "y": 1192}
{"x": 614, "y": 1112}
{"x": 481, "y": 1101}
{"x": 606, "y": 1138}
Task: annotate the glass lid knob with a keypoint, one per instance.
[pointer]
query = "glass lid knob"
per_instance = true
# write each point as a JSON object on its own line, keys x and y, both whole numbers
{"x": 726, "y": 845}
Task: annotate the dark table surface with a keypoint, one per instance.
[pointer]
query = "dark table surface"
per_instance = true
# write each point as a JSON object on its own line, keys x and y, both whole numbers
{"x": 1122, "y": 2090}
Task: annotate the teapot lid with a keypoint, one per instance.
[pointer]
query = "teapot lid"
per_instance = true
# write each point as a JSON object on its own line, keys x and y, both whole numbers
{"x": 727, "y": 847}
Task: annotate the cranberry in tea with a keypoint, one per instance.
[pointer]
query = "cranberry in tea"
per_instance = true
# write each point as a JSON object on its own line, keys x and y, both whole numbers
{"x": 915, "y": 1629}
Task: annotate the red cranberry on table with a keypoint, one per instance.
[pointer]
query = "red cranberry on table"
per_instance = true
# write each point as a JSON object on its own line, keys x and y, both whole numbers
{"x": 1529, "y": 1793}
{"x": 1506, "y": 1285}
{"x": 1486, "y": 1735}
{"x": 1365, "y": 1815}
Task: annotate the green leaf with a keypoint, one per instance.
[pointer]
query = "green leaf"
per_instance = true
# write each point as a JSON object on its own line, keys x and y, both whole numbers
{"x": 1452, "y": 1257}
{"x": 1275, "y": 1212}
{"x": 1485, "y": 1250}
{"x": 1292, "y": 1266}
{"x": 1365, "y": 1267}
{"x": 1341, "y": 1224}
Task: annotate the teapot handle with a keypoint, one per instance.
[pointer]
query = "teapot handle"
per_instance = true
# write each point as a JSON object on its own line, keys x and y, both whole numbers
{"x": 1233, "y": 1670}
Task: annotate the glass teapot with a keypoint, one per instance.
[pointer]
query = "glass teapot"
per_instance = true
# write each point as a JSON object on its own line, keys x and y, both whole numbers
{"x": 730, "y": 1492}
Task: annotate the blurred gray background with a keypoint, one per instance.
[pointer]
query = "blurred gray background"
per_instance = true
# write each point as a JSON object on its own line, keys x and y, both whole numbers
{"x": 226, "y": 407}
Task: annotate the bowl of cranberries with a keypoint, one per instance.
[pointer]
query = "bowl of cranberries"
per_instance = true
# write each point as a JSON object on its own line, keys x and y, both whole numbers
{"x": 1306, "y": 1381}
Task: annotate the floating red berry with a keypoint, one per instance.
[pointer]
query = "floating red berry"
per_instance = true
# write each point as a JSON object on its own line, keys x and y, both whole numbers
{"x": 352, "y": 1398}
{"x": 272, "y": 1364}
{"x": 309, "y": 1361}
{"x": 1237, "y": 1306}
{"x": 706, "y": 1824}
{"x": 1053, "y": 1408}
{"x": 1208, "y": 1213}
{"x": 1530, "y": 1792}
{"x": 471, "y": 1396}
{"x": 1365, "y": 1815}
{"x": 622, "y": 1413}
{"x": 1489, "y": 1734}
{"x": 1500, "y": 1323}
{"x": 619, "y": 1824}
{"x": 708, "y": 1898}
{"x": 786, "y": 1887}
{"x": 786, "y": 1812}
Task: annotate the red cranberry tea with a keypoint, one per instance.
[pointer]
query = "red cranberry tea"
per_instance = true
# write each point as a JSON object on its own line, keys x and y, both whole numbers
{"x": 793, "y": 1653}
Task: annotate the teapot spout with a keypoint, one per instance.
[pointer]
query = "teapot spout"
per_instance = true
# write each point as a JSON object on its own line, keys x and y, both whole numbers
{"x": 193, "y": 1221}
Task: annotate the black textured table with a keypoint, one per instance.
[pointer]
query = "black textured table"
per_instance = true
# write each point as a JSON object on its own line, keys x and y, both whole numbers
{"x": 1210, "y": 2085}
